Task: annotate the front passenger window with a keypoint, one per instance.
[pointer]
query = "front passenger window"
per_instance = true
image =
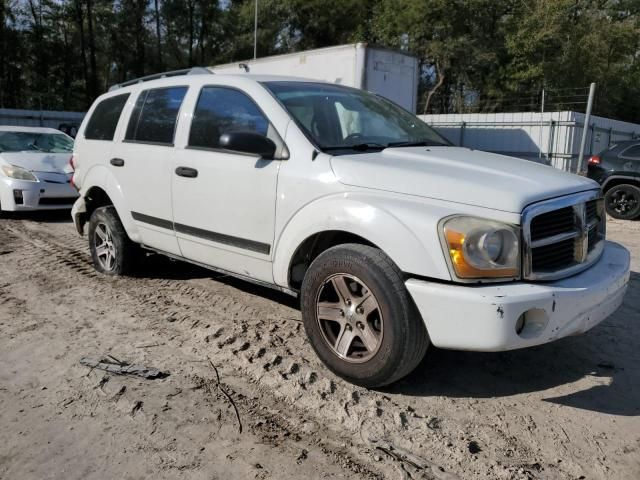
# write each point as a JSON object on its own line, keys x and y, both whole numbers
{"x": 221, "y": 110}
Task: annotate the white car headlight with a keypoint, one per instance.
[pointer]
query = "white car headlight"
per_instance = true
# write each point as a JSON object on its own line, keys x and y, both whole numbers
{"x": 478, "y": 248}
{"x": 18, "y": 173}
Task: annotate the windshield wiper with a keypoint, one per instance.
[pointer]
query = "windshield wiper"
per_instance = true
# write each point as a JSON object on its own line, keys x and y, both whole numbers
{"x": 358, "y": 146}
{"x": 423, "y": 143}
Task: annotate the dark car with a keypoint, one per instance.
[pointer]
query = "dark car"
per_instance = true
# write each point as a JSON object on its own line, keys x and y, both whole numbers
{"x": 617, "y": 169}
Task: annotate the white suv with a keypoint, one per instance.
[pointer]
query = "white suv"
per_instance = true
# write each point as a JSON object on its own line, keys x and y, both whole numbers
{"x": 392, "y": 238}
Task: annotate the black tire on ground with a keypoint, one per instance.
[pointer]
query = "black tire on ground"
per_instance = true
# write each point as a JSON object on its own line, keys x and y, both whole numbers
{"x": 398, "y": 331}
{"x": 112, "y": 252}
{"x": 623, "y": 201}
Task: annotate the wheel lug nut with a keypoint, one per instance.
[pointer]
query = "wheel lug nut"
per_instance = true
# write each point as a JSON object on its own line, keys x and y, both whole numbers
{"x": 360, "y": 310}
{"x": 348, "y": 301}
{"x": 348, "y": 327}
{"x": 342, "y": 313}
{"x": 360, "y": 325}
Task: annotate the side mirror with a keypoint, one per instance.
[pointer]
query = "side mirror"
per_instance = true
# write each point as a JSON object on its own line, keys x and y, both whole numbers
{"x": 248, "y": 142}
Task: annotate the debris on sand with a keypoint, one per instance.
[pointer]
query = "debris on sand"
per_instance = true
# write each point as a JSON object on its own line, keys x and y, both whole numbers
{"x": 113, "y": 365}
{"x": 405, "y": 457}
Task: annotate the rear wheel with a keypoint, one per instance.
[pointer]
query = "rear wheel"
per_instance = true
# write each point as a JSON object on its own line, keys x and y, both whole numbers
{"x": 359, "y": 317}
{"x": 623, "y": 201}
{"x": 112, "y": 251}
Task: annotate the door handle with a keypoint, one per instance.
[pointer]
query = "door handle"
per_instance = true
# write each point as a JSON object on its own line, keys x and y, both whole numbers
{"x": 186, "y": 172}
{"x": 117, "y": 162}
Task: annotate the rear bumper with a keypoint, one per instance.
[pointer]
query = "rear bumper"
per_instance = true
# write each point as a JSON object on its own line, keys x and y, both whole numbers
{"x": 79, "y": 214}
{"x": 485, "y": 318}
{"x": 35, "y": 195}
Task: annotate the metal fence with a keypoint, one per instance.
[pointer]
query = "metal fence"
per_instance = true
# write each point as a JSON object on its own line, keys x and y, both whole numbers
{"x": 552, "y": 141}
{"x": 39, "y": 118}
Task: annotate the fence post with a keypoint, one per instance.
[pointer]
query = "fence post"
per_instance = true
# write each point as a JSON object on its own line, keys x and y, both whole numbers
{"x": 585, "y": 126}
{"x": 462, "y": 127}
{"x": 552, "y": 125}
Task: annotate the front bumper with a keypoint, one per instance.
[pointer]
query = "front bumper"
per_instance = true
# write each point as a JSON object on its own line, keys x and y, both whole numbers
{"x": 36, "y": 195}
{"x": 486, "y": 317}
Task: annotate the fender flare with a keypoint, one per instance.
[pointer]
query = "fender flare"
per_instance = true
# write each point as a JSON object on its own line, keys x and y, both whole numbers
{"x": 367, "y": 219}
{"x": 101, "y": 177}
{"x": 634, "y": 179}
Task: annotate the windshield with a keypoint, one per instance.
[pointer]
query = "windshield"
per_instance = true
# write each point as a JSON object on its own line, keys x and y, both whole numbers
{"x": 35, "y": 142}
{"x": 342, "y": 118}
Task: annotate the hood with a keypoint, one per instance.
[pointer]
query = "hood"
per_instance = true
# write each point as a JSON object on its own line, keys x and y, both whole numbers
{"x": 39, "y": 161}
{"x": 459, "y": 175}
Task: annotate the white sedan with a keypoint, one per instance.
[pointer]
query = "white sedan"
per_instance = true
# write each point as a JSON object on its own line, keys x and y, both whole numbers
{"x": 35, "y": 170}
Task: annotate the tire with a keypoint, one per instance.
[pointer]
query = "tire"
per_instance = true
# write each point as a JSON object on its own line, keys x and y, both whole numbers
{"x": 371, "y": 343}
{"x": 623, "y": 201}
{"x": 112, "y": 252}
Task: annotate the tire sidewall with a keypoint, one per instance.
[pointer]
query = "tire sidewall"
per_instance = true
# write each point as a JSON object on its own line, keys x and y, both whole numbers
{"x": 395, "y": 312}
{"x": 108, "y": 216}
{"x": 629, "y": 216}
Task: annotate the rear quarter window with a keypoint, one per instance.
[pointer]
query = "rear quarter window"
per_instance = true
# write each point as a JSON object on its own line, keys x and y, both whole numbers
{"x": 154, "y": 116}
{"x": 104, "y": 119}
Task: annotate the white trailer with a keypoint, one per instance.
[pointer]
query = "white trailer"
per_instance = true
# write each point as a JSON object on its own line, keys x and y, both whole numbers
{"x": 390, "y": 73}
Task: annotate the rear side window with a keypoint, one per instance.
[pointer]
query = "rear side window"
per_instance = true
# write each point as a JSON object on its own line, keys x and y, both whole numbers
{"x": 631, "y": 152}
{"x": 154, "y": 116}
{"x": 220, "y": 110}
{"x": 104, "y": 120}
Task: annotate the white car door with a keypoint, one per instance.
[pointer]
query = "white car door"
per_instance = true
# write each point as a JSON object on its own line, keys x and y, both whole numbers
{"x": 142, "y": 164}
{"x": 223, "y": 201}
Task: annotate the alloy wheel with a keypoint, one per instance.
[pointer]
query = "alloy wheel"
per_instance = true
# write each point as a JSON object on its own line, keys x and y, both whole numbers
{"x": 349, "y": 317}
{"x": 623, "y": 201}
{"x": 104, "y": 246}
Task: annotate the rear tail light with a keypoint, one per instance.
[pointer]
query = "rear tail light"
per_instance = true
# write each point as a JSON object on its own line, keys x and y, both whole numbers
{"x": 594, "y": 160}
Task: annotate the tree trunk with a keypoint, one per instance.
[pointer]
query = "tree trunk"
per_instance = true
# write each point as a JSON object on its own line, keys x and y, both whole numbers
{"x": 158, "y": 36}
{"x": 93, "y": 78}
{"x": 140, "y": 11}
{"x": 191, "y": 7}
{"x": 83, "y": 50}
{"x": 430, "y": 93}
{"x": 2, "y": 53}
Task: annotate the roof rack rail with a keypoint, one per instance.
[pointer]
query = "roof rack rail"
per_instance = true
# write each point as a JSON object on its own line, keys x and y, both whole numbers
{"x": 156, "y": 76}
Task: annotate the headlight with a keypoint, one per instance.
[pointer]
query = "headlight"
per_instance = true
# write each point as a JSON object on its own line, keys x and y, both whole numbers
{"x": 479, "y": 248}
{"x": 18, "y": 173}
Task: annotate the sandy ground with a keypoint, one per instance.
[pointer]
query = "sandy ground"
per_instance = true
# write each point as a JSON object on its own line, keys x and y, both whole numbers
{"x": 567, "y": 410}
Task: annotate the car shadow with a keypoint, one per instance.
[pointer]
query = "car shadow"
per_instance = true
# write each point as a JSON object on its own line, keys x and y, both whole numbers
{"x": 156, "y": 266}
{"x": 41, "y": 216}
{"x": 609, "y": 354}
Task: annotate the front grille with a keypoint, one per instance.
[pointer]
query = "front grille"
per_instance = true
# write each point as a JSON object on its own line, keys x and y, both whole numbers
{"x": 552, "y": 223}
{"x": 555, "y": 256}
{"x": 563, "y": 236}
{"x": 57, "y": 201}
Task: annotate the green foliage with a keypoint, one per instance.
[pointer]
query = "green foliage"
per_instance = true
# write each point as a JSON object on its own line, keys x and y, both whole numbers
{"x": 476, "y": 55}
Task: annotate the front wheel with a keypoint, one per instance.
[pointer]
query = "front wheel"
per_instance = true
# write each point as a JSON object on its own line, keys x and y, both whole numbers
{"x": 359, "y": 317}
{"x": 112, "y": 251}
{"x": 623, "y": 202}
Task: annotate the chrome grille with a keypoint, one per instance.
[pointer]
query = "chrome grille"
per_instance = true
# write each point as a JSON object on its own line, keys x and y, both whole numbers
{"x": 562, "y": 236}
